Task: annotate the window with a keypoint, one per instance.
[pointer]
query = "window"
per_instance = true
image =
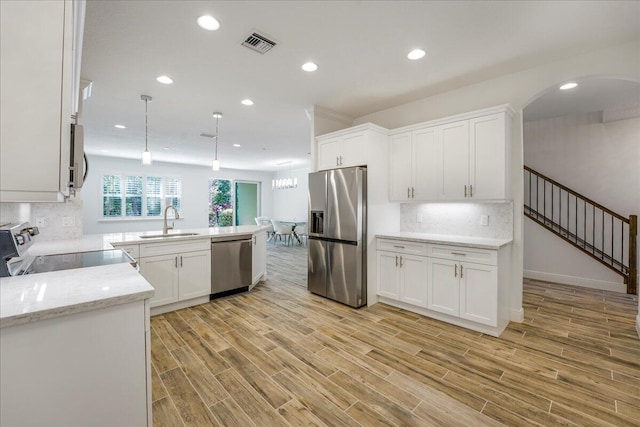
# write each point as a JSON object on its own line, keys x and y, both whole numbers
{"x": 126, "y": 196}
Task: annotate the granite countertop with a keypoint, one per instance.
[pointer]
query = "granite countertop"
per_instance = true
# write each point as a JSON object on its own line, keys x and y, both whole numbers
{"x": 467, "y": 241}
{"x": 34, "y": 297}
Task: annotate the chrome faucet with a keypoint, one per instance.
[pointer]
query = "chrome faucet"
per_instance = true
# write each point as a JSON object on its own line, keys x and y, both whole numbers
{"x": 166, "y": 228}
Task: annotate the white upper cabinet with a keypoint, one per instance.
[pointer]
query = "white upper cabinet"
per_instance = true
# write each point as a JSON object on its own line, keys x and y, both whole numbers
{"x": 347, "y": 147}
{"x": 451, "y": 159}
{"x": 38, "y": 66}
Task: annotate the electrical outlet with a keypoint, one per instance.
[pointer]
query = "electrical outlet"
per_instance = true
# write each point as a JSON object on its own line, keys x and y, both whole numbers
{"x": 419, "y": 217}
{"x": 69, "y": 221}
{"x": 41, "y": 222}
{"x": 484, "y": 220}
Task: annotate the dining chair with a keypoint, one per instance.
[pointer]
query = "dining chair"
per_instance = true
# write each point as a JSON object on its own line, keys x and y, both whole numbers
{"x": 264, "y": 221}
{"x": 280, "y": 230}
{"x": 301, "y": 231}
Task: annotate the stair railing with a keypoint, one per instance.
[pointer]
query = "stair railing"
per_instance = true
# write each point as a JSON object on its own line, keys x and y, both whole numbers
{"x": 601, "y": 233}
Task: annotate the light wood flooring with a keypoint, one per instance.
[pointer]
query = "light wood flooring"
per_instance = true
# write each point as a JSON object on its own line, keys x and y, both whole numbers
{"x": 281, "y": 356}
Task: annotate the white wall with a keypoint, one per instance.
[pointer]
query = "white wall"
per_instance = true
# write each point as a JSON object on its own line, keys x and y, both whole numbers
{"x": 195, "y": 188}
{"x": 518, "y": 90}
{"x": 291, "y": 203}
{"x": 599, "y": 160}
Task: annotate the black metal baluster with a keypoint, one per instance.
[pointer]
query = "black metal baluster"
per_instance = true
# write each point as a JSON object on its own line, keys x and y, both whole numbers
{"x": 611, "y": 239}
{"x": 584, "y": 225}
{"x": 621, "y": 244}
{"x": 602, "y": 242}
{"x": 552, "y": 204}
{"x": 593, "y": 238}
{"x": 544, "y": 200}
{"x": 537, "y": 199}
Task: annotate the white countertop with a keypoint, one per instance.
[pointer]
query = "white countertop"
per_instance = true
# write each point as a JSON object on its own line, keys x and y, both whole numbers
{"x": 468, "y": 241}
{"x": 41, "y": 296}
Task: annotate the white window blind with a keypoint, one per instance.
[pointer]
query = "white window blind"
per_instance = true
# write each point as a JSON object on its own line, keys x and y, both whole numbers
{"x": 125, "y": 196}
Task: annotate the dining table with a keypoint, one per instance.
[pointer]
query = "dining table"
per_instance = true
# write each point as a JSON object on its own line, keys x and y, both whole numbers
{"x": 293, "y": 225}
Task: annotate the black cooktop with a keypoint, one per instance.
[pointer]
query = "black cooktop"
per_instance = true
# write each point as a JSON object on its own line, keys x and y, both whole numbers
{"x": 42, "y": 264}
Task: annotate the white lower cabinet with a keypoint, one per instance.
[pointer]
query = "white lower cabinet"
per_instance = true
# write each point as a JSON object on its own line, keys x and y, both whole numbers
{"x": 178, "y": 272}
{"x": 446, "y": 286}
{"x": 259, "y": 257}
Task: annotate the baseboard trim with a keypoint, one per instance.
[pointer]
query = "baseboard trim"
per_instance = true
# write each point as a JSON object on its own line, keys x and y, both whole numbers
{"x": 517, "y": 315}
{"x": 576, "y": 281}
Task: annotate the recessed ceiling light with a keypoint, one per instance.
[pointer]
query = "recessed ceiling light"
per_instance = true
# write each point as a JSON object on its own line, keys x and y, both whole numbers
{"x": 246, "y": 102}
{"x": 104, "y": 151}
{"x": 209, "y": 23}
{"x": 236, "y": 145}
{"x": 165, "y": 148}
{"x": 309, "y": 66}
{"x": 416, "y": 54}
{"x": 120, "y": 126}
{"x": 568, "y": 86}
{"x": 166, "y": 80}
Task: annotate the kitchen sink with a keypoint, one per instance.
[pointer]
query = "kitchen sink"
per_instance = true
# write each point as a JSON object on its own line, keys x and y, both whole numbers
{"x": 164, "y": 236}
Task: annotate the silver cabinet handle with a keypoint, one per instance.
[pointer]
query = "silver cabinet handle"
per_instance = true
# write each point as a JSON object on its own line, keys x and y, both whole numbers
{"x": 461, "y": 271}
{"x": 396, "y": 260}
{"x": 455, "y": 271}
{"x": 470, "y": 190}
{"x": 408, "y": 192}
{"x": 465, "y": 191}
{"x": 400, "y": 261}
{"x": 341, "y": 160}
{"x": 180, "y": 260}
{"x": 176, "y": 260}
{"x": 458, "y": 253}
{"x": 337, "y": 161}
{"x": 413, "y": 192}
{"x": 398, "y": 246}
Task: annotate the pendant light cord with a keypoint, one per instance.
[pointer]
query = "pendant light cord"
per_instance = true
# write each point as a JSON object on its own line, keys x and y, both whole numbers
{"x": 217, "y": 118}
{"x": 146, "y": 124}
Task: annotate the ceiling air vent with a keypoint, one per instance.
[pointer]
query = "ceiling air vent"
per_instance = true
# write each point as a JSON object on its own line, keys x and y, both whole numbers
{"x": 258, "y": 43}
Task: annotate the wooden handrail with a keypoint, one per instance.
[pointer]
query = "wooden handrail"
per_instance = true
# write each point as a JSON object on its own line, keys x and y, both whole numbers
{"x": 575, "y": 193}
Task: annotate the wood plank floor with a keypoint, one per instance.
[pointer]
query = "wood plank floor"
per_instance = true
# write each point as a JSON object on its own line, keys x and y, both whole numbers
{"x": 281, "y": 356}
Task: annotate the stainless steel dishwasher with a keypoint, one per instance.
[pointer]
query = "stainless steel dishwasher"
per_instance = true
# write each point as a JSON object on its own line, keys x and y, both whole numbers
{"x": 231, "y": 262}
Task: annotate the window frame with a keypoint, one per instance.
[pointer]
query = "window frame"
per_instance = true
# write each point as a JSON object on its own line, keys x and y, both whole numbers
{"x": 124, "y": 177}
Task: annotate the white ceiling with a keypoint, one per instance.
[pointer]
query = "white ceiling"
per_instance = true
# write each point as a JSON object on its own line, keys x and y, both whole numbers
{"x": 359, "y": 46}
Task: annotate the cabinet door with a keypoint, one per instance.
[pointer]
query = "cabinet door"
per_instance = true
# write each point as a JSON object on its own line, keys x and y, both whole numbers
{"x": 353, "y": 150}
{"x": 162, "y": 273}
{"x": 400, "y": 166}
{"x": 479, "y": 293}
{"x": 454, "y": 152}
{"x": 388, "y": 275}
{"x": 329, "y": 154}
{"x": 426, "y": 163}
{"x": 487, "y": 154}
{"x": 413, "y": 279}
{"x": 258, "y": 253}
{"x": 195, "y": 274}
{"x": 443, "y": 286}
{"x": 32, "y": 39}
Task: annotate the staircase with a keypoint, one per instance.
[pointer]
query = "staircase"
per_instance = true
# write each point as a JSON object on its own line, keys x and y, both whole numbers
{"x": 599, "y": 232}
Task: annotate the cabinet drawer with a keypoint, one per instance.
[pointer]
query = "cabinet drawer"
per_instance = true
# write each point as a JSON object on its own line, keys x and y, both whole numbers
{"x": 481, "y": 256}
{"x": 164, "y": 248}
{"x": 132, "y": 250}
{"x": 402, "y": 246}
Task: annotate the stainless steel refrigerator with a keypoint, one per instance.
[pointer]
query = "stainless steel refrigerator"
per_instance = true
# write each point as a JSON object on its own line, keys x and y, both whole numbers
{"x": 338, "y": 235}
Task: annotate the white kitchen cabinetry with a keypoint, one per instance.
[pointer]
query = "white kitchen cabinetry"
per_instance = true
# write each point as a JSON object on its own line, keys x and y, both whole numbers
{"x": 414, "y": 158}
{"x": 132, "y": 249}
{"x": 345, "y": 148}
{"x": 259, "y": 257}
{"x": 83, "y": 369}
{"x": 177, "y": 271}
{"x": 39, "y": 96}
{"x": 465, "y": 286}
{"x": 402, "y": 274}
{"x": 464, "y": 157}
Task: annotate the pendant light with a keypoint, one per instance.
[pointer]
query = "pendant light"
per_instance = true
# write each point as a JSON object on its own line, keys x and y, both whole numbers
{"x": 146, "y": 154}
{"x": 216, "y": 162}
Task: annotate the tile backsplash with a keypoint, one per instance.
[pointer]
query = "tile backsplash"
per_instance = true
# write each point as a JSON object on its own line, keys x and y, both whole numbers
{"x": 460, "y": 219}
{"x": 58, "y": 221}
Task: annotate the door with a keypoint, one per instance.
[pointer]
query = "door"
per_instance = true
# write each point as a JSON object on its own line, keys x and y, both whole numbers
{"x": 388, "y": 275}
{"x": 162, "y": 273}
{"x": 400, "y": 163}
{"x": 318, "y": 268}
{"x": 443, "y": 286}
{"x": 329, "y": 153}
{"x": 194, "y": 274}
{"x": 479, "y": 293}
{"x": 454, "y": 155}
{"x": 353, "y": 150}
{"x": 487, "y": 165}
{"x": 426, "y": 163}
{"x": 345, "y": 278}
{"x": 343, "y": 218}
{"x": 317, "y": 202}
{"x": 413, "y": 277}
{"x": 247, "y": 202}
